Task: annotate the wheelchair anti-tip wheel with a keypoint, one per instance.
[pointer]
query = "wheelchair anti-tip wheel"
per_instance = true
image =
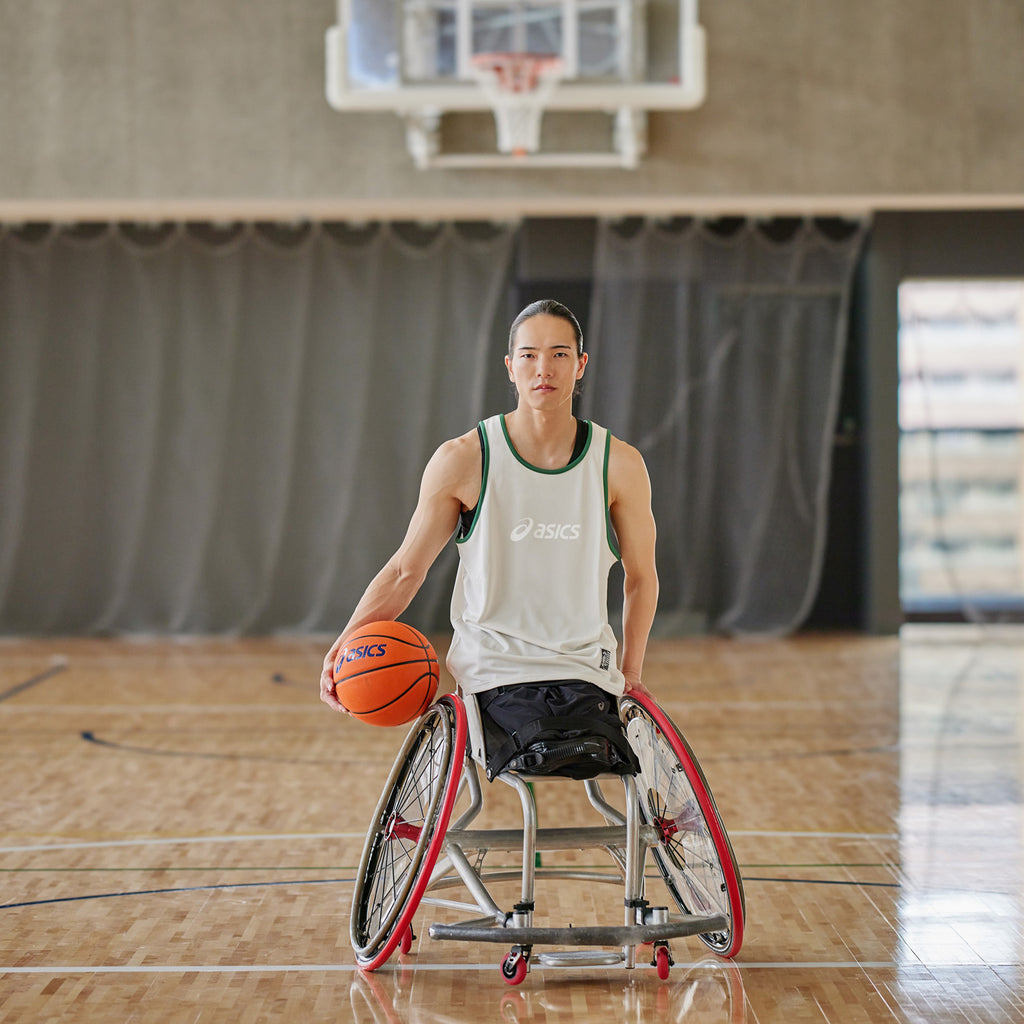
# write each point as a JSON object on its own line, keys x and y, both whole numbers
{"x": 515, "y": 966}
{"x": 694, "y": 854}
{"x": 407, "y": 833}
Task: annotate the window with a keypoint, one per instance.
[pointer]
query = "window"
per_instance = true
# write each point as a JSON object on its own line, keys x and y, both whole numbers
{"x": 961, "y": 408}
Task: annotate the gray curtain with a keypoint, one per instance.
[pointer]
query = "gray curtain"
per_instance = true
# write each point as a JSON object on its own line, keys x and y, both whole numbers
{"x": 718, "y": 351}
{"x": 220, "y": 430}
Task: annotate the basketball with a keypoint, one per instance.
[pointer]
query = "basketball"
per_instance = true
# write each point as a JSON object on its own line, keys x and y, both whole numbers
{"x": 386, "y": 674}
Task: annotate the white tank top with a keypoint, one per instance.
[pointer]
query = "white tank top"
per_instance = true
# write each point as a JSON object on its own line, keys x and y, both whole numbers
{"x": 531, "y": 594}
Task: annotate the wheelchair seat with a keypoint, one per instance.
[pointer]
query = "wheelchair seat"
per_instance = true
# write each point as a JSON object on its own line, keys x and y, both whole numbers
{"x": 413, "y": 849}
{"x": 525, "y": 737}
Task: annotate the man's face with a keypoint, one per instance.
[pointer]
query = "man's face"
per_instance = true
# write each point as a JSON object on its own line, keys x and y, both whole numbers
{"x": 544, "y": 365}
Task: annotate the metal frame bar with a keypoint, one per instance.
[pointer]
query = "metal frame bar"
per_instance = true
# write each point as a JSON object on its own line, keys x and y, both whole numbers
{"x": 626, "y": 839}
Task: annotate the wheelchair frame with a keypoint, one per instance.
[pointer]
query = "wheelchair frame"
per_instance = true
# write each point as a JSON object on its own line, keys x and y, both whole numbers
{"x": 411, "y": 849}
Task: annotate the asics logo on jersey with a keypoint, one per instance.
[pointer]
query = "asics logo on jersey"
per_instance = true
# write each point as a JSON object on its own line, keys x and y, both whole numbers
{"x": 544, "y": 531}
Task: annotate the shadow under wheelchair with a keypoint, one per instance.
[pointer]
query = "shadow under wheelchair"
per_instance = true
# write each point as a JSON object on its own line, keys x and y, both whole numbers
{"x": 415, "y": 854}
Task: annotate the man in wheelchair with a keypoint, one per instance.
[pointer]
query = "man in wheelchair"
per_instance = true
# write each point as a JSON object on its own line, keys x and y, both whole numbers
{"x": 541, "y": 505}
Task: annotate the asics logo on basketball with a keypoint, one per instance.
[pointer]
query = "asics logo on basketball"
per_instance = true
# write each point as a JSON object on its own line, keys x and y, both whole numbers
{"x": 544, "y": 531}
{"x": 366, "y": 651}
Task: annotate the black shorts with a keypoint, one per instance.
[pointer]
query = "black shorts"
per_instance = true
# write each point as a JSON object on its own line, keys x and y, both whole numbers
{"x": 563, "y": 727}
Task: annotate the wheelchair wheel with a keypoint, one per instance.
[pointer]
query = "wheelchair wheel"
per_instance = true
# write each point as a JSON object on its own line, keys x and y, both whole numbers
{"x": 407, "y": 832}
{"x": 694, "y": 856}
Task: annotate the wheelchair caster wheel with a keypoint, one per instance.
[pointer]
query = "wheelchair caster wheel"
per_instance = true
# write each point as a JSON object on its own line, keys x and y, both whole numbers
{"x": 662, "y": 961}
{"x": 513, "y": 967}
{"x": 405, "y": 944}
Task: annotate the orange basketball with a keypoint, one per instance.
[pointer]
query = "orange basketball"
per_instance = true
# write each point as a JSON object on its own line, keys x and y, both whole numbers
{"x": 386, "y": 674}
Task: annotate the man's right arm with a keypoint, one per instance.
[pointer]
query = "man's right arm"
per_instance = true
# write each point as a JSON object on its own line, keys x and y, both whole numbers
{"x": 451, "y": 481}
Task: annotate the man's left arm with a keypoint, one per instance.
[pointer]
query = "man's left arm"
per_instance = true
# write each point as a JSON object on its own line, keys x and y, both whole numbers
{"x": 629, "y": 489}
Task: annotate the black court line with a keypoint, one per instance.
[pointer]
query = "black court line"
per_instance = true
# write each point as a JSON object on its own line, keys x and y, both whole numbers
{"x": 160, "y": 892}
{"x": 34, "y": 681}
{"x": 826, "y": 881}
{"x": 91, "y": 737}
{"x": 347, "y": 881}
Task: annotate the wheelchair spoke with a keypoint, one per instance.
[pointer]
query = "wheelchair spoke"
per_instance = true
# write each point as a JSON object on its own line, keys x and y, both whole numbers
{"x": 403, "y": 841}
{"x": 401, "y": 831}
{"x": 686, "y": 840}
{"x": 385, "y": 884}
{"x": 695, "y": 860}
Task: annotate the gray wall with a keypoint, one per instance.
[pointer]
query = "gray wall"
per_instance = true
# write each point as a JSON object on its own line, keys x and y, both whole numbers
{"x": 215, "y": 109}
{"x": 116, "y": 108}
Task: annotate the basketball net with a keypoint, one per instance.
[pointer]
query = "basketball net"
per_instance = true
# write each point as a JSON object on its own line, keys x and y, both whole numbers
{"x": 518, "y": 86}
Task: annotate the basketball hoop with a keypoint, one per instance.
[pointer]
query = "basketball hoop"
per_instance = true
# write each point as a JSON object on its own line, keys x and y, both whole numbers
{"x": 518, "y": 86}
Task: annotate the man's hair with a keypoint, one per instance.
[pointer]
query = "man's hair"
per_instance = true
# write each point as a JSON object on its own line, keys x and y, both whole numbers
{"x": 546, "y": 307}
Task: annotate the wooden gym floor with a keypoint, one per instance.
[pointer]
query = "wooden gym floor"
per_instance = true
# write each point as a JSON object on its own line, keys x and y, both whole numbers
{"x": 182, "y": 821}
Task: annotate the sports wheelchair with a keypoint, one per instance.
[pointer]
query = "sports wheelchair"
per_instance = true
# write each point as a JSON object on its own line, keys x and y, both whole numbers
{"x": 412, "y": 849}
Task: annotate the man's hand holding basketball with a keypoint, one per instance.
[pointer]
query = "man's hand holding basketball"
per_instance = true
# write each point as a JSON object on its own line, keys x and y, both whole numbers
{"x": 327, "y": 692}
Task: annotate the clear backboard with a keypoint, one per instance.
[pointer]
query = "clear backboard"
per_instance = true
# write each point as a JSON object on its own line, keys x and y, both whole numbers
{"x": 518, "y": 58}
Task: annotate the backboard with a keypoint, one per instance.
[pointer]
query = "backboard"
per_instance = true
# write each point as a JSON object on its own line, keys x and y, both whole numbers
{"x": 422, "y": 58}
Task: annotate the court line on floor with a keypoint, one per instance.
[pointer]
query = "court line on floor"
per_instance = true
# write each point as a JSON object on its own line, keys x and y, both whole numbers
{"x": 785, "y": 834}
{"x": 90, "y": 737}
{"x": 265, "y": 884}
{"x": 313, "y": 836}
{"x": 164, "y": 709}
{"x": 396, "y": 968}
{"x": 827, "y": 881}
{"x": 180, "y": 840}
{"x": 172, "y": 890}
{"x": 59, "y": 665}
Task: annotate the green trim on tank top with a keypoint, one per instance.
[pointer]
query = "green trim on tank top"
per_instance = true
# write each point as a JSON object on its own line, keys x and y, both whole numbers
{"x": 548, "y": 472}
{"x": 613, "y": 541}
{"x": 484, "y": 467}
